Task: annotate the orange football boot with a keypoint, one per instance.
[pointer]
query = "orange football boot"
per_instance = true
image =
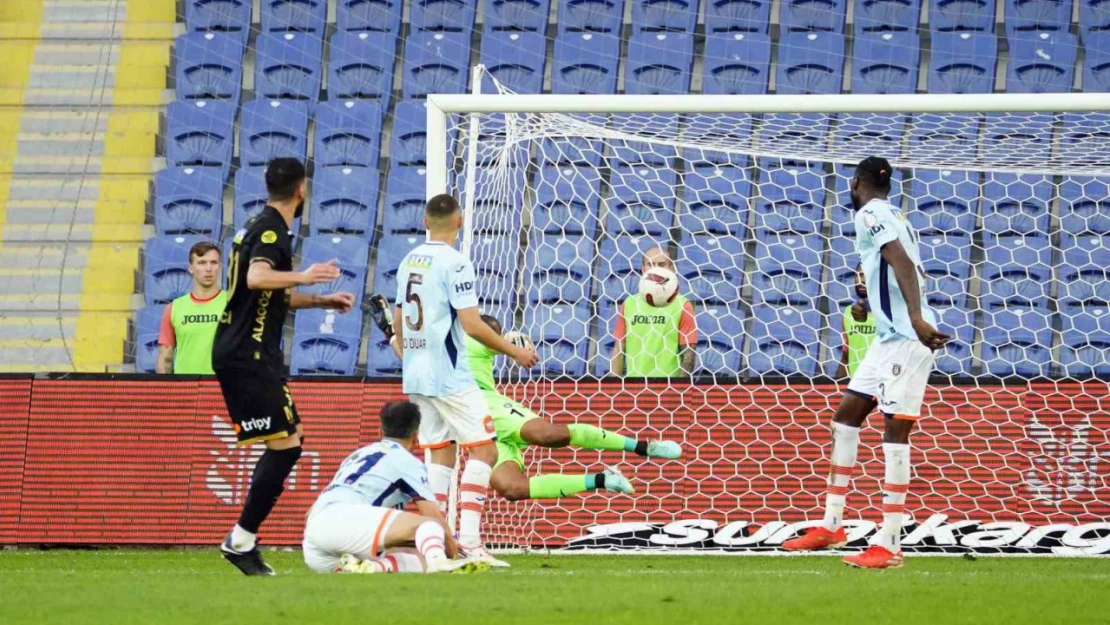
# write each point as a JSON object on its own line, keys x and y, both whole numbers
{"x": 817, "y": 538}
{"x": 876, "y": 557}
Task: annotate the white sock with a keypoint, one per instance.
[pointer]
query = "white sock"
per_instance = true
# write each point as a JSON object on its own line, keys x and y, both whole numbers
{"x": 843, "y": 462}
{"x": 439, "y": 478}
{"x": 401, "y": 561}
{"x": 472, "y": 501}
{"x": 241, "y": 539}
{"x": 895, "y": 487}
{"x": 429, "y": 541}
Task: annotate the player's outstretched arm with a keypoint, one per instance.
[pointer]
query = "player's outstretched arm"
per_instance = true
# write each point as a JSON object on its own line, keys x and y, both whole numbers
{"x": 906, "y": 275}
{"x": 480, "y": 331}
{"x": 430, "y": 509}
{"x": 263, "y": 277}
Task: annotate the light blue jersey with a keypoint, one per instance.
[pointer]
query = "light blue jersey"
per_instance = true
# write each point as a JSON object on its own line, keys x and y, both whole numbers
{"x": 434, "y": 282}
{"x": 877, "y": 224}
{"x": 383, "y": 474}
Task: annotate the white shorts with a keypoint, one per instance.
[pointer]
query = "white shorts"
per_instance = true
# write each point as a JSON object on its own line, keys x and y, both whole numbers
{"x": 339, "y": 528}
{"x": 895, "y": 373}
{"x": 462, "y": 418}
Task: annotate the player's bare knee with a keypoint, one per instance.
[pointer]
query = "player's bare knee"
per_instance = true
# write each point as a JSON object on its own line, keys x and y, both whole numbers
{"x": 897, "y": 430}
{"x": 486, "y": 452}
{"x": 513, "y": 489}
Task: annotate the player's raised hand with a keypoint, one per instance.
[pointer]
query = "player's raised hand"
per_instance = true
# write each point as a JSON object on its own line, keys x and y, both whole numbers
{"x": 928, "y": 335}
{"x": 341, "y": 301}
{"x": 525, "y": 357}
{"x": 321, "y": 272}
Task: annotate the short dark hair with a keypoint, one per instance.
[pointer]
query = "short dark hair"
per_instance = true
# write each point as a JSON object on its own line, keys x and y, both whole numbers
{"x": 400, "y": 419}
{"x": 875, "y": 172}
{"x": 283, "y": 177}
{"x": 440, "y": 206}
{"x": 492, "y": 322}
{"x": 202, "y": 248}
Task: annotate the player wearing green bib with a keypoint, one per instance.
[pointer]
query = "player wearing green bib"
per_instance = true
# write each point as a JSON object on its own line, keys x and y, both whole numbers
{"x": 859, "y": 329}
{"x": 189, "y": 322}
{"x": 517, "y": 427}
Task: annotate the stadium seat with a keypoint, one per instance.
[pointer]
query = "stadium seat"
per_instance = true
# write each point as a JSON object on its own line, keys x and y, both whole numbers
{"x": 872, "y": 133}
{"x": 665, "y": 15}
{"x": 496, "y": 254}
{"x": 517, "y": 15}
{"x": 812, "y": 15}
{"x": 720, "y": 348}
{"x": 208, "y": 66}
{"x": 557, "y": 269}
{"x": 1016, "y": 203}
{"x": 947, "y": 201}
{"x": 955, "y": 358}
{"x": 840, "y": 282}
{"x": 736, "y": 63}
{"x": 1021, "y": 140}
{"x": 618, "y": 274}
{"x": 567, "y": 201}
{"x": 886, "y": 15}
{"x": 1084, "y": 276}
{"x": 885, "y": 62}
{"x": 408, "y": 142}
{"x": 348, "y": 133}
{"x": 643, "y": 200}
{"x": 351, "y": 254}
{"x": 381, "y": 361}
{"x": 250, "y": 195}
{"x": 369, "y": 15}
{"x": 436, "y": 62}
{"x": 962, "y": 15}
{"x": 324, "y": 354}
{"x": 1083, "y": 136}
{"x": 1085, "y": 348}
{"x": 938, "y": 136}
{"x": 344, "y": 201}
{"x": 606, "y": 324}
{"x": 784, "y": 340}
{"x": 1094, "y": 21}
{"x": 1017, "y": 342}
{"x": 443, "y": 16}
{"x": 494, "y": 210}
{"x": 585, "y": 63}
{"x": 360, "y": 66}
{"x": 305, "y": 16}
{"x": 570, "y": 151}
{"x": 1085, "y": 204}
{"x": 1041, "y": 62}
{"x": 659, "y": 63}
{"x": 790, "y": 200}
{"x": 595, "y": 16}
{"x": 391, "y": 251}
{"x": 405, "y": 196}
{"x": 270, "y": 129}
{"x": 189, "y": 200}
{"x": 221, "y": 16}
{"x": 963, "y": 62}
{"x": 787, "y": 270}
{"x": 636, "y": 153}
{"x": 733, "y": 16}
{"x": 946, "y": 259}
{"x": 166, "y": 268}
{"x": 810, "y": 63}
{"x": 1022, "y": 16}
{"x": 1016, "y": 273}
{"x": 842, "y": 215}
{"x": 517, "y": 60}
{"x": 148, "y": 326}
{"x": 322, "y": 321}
{"x": 711, "y": 268}
{"x": 716, "y": 201}
{"x": 200, "y": 133}
{"x": 288, "y": 66}
{"x": 562, "y": 336}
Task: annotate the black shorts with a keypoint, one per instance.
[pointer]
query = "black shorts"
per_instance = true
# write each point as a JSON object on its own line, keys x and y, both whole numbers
{"x": 259, "y": 403}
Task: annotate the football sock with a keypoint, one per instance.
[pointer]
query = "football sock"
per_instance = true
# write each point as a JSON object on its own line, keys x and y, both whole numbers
{"x": 589, "y": 437}
{"x": 267, "y": 484}
{"x": 398, "y": 561}
{"x": 843, "y": 461}
{"x": 472, "y": 501}
{"x": 241, "y": 539}
{"x": 429, "y": 540}
{"x": 895, "y": 487}
{"x": 556, "y": 485}
{"x": 439, "y": 478}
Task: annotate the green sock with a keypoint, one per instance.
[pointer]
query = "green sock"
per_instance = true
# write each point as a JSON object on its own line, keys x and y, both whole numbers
{"x": 556, "y": 485}
{"x": 588, "y": 437}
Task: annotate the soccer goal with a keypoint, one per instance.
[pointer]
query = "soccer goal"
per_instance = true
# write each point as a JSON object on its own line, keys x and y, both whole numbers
{"x": 750, "y": 197}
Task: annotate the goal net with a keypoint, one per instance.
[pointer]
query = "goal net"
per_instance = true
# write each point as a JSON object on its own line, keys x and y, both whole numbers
{"x": 564, "y": 194}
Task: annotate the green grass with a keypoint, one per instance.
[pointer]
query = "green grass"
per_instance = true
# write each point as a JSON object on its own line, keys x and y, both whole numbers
{"x": 178, "y": 587}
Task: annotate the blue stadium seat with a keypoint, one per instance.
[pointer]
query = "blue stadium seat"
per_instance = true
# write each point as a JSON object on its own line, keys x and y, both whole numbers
{"x": 621, "y": 259}
{"x": 348, "y": 133}
{"x": 200, "y": 133}
{"x": 940, "y": 135}
{"x": 643, "y": 200}
{"x": 567, "y": 201}
{"x": 344, "y": 201}
{"x": 1041, "y": 62}
{"x": 526, "y": 15}
{"x": 882, "y": 15}
{"x": 1037, "y": 16}
{"x": 885, "y": 62}
{"x": 711, "y": 268}
{"x": 946, "y": 259}
{"x": 166, "y": 268}
{"x": 790, "y": 200}
{"x": 1084, "y": 277}
{"x": 1017, "y": 342}
{"x": 250, "y": 195}
{"x": 495, "y": 262}
{"x": 369, "y": 15}
{"x": 574, "y": 151}
{"x": 1016, "y": 273}
{"x": 516, "y": 59}
{"x": 391, "y": 251}
{"x": 381, "y": 361}
{"x": 735, "y": 129}
{"x": 955, "y": 358}
{"x": 626, "y": 152}
{"x": 813, "y": 15}
{"x": 596, "y": 16}
{"x": 408, "y": 143}
{"x": 209, "y": 66}
{"x": 271, "y": 129}
{"x": 665, "y": 15}
{"x": 947, "y": 201}
{"x": 557, "y": 269}
{"x": 148, "y": 325}
{"x": 841, "y": 279}
{"x": 720, "y": 349}
{"x": 1016, "y": 203}
{"x": 659, "y": 63}
{"x": 872, "y": 133}
{"x": 306, "y": 16}
{"x": 352, "y": 254}
{"x": 962, "y": 15}
{"x": 222, "y": 16}
{"x": 1085, "y": 348}
{"x": 810, "y": 63}
{"x": 288, "y": 66}
{"x": 736, "y": 63}
{"x": 324, "y": 354}
{"x": 606, "y": 324}
{"x": 1094, "y": 21}
{"x": 189, "y": 200}
{"x": 842, "y": 215}
{"x": 360, "y": 65}
{"x": 321, "y": 321}
{"x": 733, "y": 16}
{"x": 963, "y": 62}
{"x": 788, "y": 270}
{"x": 716, "y": 201}
{"x": 784, "y": 340}
{"x": 1085, "y": 205}
{"x": 562, "y": 336}
{"x": 443, "y": 15}
{"x": 1083, "y": 136}
{"x": 436, "y": 62}
{"x": 405, "y": 196}
{"x": 585, "y": 63}
{"x": 494, "y": 210}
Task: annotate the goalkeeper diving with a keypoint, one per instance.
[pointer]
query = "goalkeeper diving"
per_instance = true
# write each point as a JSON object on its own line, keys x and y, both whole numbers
{"x": 517, "y": 428}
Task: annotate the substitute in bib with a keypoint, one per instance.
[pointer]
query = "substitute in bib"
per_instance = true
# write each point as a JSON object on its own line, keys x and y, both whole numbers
{"x": 655, "y": 342}
{"x": 189, "y": 322}
{"x": 859, "y": 329}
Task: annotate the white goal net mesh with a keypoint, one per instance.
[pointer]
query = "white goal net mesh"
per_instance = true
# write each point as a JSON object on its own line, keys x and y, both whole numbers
{"x": 1013, "y": 215}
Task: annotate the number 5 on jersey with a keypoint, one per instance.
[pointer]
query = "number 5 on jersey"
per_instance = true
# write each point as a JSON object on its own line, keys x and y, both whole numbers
{"x": 416, "y": 324}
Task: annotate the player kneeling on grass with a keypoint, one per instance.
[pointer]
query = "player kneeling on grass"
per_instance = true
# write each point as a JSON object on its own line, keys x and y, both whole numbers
{"x": 356, "y": 524}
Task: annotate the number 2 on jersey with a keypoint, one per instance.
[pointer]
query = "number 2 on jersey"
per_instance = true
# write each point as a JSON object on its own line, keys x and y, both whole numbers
{"x": 413, "y": 298}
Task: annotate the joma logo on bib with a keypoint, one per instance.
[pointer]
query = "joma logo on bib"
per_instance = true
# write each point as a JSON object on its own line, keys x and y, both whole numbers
{"x": 652, "y": 319}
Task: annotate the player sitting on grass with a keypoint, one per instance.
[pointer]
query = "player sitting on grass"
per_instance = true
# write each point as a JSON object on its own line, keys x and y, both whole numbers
{"x": 356, "y": 523}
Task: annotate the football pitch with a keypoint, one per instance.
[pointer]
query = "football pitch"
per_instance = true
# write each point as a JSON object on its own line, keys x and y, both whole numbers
{"x": 179, "y": 587}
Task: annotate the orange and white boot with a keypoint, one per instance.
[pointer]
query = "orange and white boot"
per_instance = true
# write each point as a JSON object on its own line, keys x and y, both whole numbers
{"x": 876, "y": 557}
{"x": 817, "y": 538}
